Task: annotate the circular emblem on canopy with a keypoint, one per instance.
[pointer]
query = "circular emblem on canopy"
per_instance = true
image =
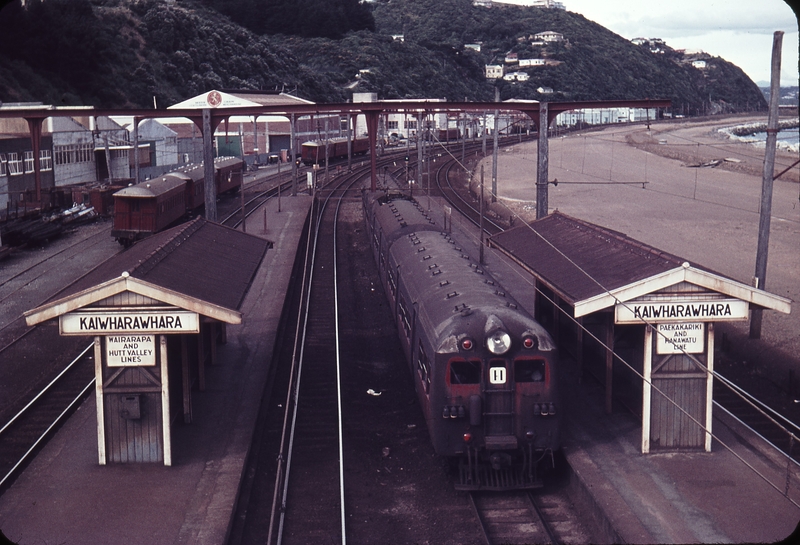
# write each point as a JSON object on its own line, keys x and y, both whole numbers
{"x": 214, "y": 99}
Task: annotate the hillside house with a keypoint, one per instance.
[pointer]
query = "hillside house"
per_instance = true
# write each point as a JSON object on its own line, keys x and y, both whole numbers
{"x": 531, "y": 62}
{"x": 511, "y": 58}
{"x": 700, "y": 65}
{"x": 549, "y": 36}
{"x": 493, "y": 71}
{"x": 516, "y": 76}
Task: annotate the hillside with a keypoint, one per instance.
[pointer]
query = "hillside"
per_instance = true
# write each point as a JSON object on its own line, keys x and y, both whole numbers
{"x": 122, "y": 53}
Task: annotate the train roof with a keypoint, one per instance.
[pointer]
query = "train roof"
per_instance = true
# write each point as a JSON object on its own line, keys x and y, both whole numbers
{"x": 459, "y": 295}
{"x": 155, "y": 187}
{"x": 399, "y": 216}
{"x": 317, "y": 143}
{"x": 225, "y": 161}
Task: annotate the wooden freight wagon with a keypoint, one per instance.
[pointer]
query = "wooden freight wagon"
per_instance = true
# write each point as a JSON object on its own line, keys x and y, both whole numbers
{"x": 146, "y": 208}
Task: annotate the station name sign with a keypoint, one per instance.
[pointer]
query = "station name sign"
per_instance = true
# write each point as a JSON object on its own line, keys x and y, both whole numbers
{"x": 712, "y": 310}
{"x": 129, "y": 322}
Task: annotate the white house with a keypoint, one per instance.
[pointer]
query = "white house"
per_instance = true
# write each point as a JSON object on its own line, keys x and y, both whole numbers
{"x": 549, "y": 36}
{"x": 516, "y": 76}
{"x": 493, "y": 71}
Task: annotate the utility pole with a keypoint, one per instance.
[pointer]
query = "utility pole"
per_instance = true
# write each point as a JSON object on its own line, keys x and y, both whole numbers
{"x": 496, "y": 145}
{"x": 208, "y": 167}
{"x": 766, "y": 182}
{"x": 542, "y": 169}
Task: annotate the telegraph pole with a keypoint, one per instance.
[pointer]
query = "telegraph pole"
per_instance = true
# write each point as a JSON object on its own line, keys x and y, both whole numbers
{"x": 542, "y": 169}
{"x": 766, "y": 181}
{"x": 496, "y": 145}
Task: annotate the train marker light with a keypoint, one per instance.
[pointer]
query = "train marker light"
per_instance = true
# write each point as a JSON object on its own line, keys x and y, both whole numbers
{"x": 552, "y": 408}
{"x": 453, "y": 412}
{"x": 537, "y": 409}
{"x": 528, "y": 342}
{"x": 466, "y": 344}
{"x": 446, "y": 412}
{"x": 467, "y": 437}
{"x": 529, "y": 435}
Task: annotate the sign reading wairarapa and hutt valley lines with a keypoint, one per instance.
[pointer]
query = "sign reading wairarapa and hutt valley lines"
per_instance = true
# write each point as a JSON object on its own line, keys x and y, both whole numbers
{"x": 108, "y": 322}
{"x": 130, "y": 350}
{"x": 711, "y": 310}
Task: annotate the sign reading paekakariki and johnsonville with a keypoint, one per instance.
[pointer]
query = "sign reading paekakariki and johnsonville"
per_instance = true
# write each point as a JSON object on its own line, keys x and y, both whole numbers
{"x": 113, "y": 322}
{"x": 708, "y": 310}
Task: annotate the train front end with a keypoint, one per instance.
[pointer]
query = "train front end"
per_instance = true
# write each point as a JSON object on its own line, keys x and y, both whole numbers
{"x": 500, "y": 411}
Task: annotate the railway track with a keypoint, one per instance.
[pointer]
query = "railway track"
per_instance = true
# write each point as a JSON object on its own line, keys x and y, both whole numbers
{"x": 543, "y": 516}
{"x": 779, "y": 431}
{"x": 26, "y": 432}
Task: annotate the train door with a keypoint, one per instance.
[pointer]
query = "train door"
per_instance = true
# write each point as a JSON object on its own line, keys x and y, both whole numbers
{"x": 499, "y": 404}
{"x": 135, "y": 214}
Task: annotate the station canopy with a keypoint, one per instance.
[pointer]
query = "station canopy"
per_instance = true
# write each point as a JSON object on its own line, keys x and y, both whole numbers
{"x": 593, "y": 268}
{"x": 199, "y": 266}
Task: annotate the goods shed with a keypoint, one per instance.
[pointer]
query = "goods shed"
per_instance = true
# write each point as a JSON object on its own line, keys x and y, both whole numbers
{"x": 641, "y": 318}
{"x": 156, "y": 312}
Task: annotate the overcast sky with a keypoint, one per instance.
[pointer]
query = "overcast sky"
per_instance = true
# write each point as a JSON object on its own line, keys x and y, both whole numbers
{"x": 739, "y": 31}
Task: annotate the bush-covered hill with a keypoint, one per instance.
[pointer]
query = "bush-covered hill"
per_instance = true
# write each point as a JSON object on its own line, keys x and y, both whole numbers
{"x": 122, "y": 53}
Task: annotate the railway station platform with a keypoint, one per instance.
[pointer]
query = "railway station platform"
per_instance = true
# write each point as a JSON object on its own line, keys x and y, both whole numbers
{"x": 64, "y": 496}
{"x": 733, "y": 494}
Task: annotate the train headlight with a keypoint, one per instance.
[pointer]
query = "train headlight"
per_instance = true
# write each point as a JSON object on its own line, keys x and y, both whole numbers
{"x": 498, "y": 342}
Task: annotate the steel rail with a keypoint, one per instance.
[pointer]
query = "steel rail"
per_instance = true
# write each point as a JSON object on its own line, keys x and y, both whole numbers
{"x": 52, "y": 424}
{"x": 352, "y": 179}
{"x": 546, "y": 525}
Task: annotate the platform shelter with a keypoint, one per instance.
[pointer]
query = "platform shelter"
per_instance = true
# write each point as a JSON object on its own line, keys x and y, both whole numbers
{"x": 642, "y": 320}
{"x": 156, "y": 312}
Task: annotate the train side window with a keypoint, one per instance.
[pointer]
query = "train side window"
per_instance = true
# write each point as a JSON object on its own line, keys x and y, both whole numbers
{"x": 406, "y": 320}
{"x": 392, "y": 282}
{"x": 423, "y": 366}
{"x": 465, "y": 372}
{"x": 532, "y": 370}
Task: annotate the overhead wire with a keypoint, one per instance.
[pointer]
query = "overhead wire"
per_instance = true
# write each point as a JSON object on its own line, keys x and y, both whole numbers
{"x": 650, "y": 325}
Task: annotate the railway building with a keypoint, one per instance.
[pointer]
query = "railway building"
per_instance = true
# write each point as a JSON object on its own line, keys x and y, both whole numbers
{"x": 156, "y": 313}
{"x": 638, "y": 318}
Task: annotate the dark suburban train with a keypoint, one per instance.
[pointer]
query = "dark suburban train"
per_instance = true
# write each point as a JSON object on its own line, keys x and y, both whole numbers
{"x": 486, "y": 373}
{"x": 150, "y": 206}
{"x": 313, "y": 152}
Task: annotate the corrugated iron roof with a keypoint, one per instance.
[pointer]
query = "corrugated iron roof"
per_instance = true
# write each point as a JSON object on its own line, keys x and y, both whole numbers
{"x": 580, "y": 260}
{"x": 200, "y": 259}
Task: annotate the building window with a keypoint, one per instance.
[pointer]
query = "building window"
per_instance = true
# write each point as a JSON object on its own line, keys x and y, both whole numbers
{"x": 14, "y": 164}
{"x": 29, "y": 167}
{"x": 45, "y": 159}
{"x": 74, "y": 153}
{"x": 3, "y": 168}
{"x": 392, "y": 125}
{"x": 411, "y": 124}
